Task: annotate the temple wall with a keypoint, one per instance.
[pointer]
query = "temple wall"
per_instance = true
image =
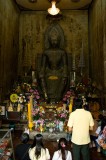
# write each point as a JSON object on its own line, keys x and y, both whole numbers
{"x": 22, "y": 41}
{"x": 9, "y": 16}
{"x": 97, "y": 32}
{"x": 31, "y": 37}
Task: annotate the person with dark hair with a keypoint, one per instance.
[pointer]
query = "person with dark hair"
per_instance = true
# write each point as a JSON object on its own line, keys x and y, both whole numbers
{"x": 101, "y": 118}
{"x": 21, "y": 150}
{"x": 93, "y": 135}
{"x": 79, "y": 123}
{"x": 62, "y": 153}
{"x": 99, "y": 134}
{"x": 37, "y": 150}
{"x": 102, "y": 143}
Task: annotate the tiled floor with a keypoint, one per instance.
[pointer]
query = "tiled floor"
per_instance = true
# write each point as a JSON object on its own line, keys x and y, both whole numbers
{"x": 52, "y": 146}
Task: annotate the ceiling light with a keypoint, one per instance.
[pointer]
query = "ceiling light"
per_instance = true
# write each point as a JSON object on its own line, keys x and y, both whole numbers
{"x": 75, "y": 0}
{"x": 53, "y": 10}
{"x": 32, "y": 1}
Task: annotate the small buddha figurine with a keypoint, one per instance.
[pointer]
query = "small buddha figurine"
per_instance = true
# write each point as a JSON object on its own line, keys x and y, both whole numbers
{"x": 18, "y": 107}
{"x": 41, "y": 127}
{"x": 10, "y": 108}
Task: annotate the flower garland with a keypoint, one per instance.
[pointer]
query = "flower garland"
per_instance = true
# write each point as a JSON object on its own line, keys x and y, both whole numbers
{"x": 37, "y": 113}
{"x": 63, "y": 115}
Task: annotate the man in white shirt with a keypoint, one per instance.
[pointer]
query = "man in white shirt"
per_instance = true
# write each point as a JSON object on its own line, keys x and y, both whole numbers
{"x": 79, "y": 123}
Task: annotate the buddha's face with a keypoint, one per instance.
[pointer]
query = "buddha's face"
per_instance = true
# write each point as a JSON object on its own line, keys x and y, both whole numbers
{"x": 54, "y": 38}
{"x": 54, "y": 42}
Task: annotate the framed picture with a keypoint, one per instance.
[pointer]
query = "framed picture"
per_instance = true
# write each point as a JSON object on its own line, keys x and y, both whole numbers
{"x": 2, "y": 111}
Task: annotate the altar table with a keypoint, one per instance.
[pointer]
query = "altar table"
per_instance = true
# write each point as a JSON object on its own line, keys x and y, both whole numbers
{"x": 54, "y": 136}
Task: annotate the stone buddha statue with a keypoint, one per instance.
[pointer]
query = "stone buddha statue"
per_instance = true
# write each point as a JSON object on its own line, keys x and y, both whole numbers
{"x": 53, "y": 75}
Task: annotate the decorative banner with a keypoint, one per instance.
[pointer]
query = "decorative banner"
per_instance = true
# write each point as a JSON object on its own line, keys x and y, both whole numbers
{"x": 14, "y": 98}
{"x": 81, "y": 61}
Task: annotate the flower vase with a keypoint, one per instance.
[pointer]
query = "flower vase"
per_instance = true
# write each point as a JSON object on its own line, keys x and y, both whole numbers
{"x": 50, "y": 129}
{"x": 61, "y": 124}
{"x": 36, "y": 125}
{"x": 57, "y": 127}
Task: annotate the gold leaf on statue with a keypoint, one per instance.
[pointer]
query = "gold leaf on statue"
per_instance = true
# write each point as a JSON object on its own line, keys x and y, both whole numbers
{"x": 53, "y": 77}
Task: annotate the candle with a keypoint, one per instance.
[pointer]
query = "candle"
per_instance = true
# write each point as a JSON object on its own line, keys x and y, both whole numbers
{"x": 30, "y": 123}
{"x": 29, "y": 112}
{"x": 41, "y": 128}
{"x": 31, "y": 101}
{"x": 64, "y": 106}
{"x": 74, "y": 76}
{"x": 71, "y": 104}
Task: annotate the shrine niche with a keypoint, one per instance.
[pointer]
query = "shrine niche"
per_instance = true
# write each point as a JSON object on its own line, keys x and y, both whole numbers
{"x": 53, "y": 73}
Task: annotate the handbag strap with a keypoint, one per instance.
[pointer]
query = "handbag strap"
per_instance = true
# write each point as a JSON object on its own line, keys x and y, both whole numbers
{"x": 25, "y": 153}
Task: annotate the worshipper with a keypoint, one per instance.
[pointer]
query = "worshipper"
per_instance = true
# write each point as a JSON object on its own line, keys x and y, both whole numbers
{"x": 93, "y": 135}
{"x": 79, "y": 123}
{"x": 101, "y": 134}
{"x": 21, "y": 150}
{"x": 37, "y": 150}
{"x": 62, "y": 153}
{"x": 101, "y": 118}
{"x": 102, "y": 142}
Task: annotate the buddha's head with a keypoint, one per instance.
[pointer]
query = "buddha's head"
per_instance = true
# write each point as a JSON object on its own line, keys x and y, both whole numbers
{"x": 54, "y": 38}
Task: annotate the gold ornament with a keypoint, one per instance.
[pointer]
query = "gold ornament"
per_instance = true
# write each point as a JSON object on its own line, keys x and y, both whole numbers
{"x": 14, "y": 98}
